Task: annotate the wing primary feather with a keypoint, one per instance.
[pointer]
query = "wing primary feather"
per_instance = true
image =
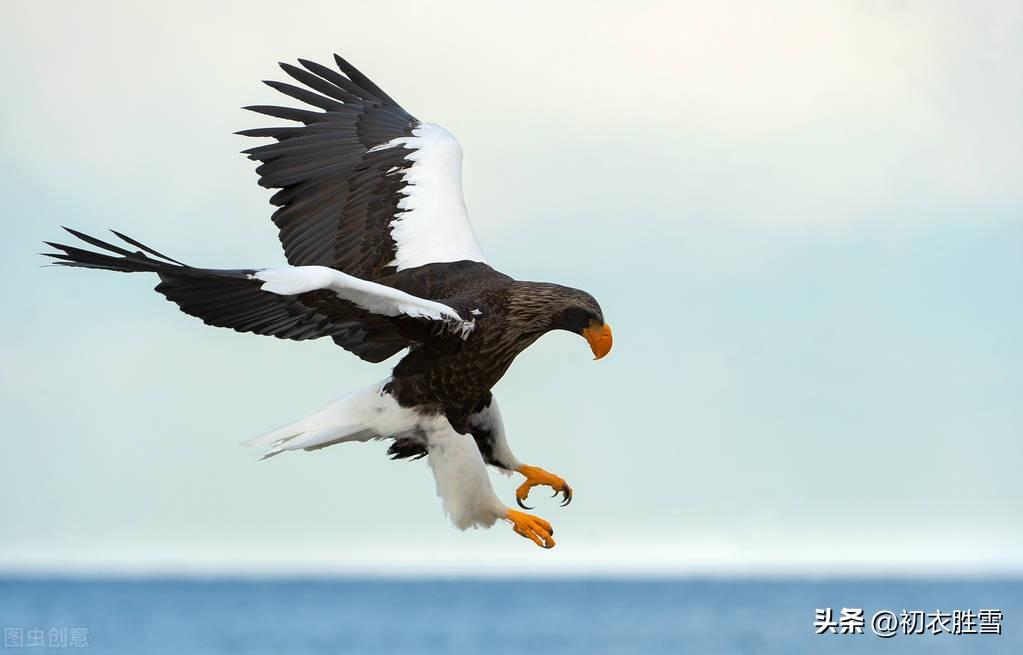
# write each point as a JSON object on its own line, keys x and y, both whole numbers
{"x": 144, "y": 247}
{"x": 308, "y": 97}
{"x": 353, "y": 73}
{"x": 340, "y": 80}
{"x": 278, "y": 133}
{"x": 318, "y": 83}
{"x": 98, "y": 243}
{"x": 287, "y": 113}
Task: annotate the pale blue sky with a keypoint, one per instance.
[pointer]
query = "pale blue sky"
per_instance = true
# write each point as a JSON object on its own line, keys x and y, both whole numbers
{"x": 804, "y": 222}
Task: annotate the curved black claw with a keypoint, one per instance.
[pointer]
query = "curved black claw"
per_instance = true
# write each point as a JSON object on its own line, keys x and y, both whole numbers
{"x": 568, "y": 496}
{"x": 522, "y": 504}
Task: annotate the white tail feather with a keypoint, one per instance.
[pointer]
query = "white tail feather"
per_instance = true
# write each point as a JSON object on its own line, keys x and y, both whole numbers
{"x": 359, "y": 416}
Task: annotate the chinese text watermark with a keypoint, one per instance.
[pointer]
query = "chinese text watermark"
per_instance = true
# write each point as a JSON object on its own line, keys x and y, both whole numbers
{"x": 53, "y": 637}
{"x": 887, "y": 624}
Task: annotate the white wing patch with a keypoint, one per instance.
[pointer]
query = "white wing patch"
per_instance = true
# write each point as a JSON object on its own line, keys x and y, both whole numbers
{"x": 432, "y": 224}
{"x": 376, "y": 298}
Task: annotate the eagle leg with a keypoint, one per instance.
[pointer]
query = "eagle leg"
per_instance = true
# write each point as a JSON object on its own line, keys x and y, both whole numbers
{"x": 535, "y": 477}
{"x": 532, "y": 527}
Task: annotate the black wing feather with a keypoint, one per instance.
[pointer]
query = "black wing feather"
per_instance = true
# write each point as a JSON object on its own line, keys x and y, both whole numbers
{"x": 319, "y": 84}
{"x": 336, "y": 196}
{"x": 233, "y": 299}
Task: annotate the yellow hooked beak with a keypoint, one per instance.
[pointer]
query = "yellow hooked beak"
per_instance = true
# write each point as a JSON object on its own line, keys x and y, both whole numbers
{"x": 599, "y": 337}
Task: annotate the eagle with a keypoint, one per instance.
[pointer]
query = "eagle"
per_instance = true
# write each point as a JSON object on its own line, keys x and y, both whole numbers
{"x": 382, "y": 259}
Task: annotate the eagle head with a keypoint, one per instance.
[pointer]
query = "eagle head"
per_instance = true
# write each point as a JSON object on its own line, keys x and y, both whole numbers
{"x": 580, "y": 313}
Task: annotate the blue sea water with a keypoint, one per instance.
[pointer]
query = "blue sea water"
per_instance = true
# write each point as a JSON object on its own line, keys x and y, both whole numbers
{"x": 484, "y": 617}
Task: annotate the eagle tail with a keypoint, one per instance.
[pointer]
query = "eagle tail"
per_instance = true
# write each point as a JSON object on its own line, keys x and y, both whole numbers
{"x": 363, "y": 415}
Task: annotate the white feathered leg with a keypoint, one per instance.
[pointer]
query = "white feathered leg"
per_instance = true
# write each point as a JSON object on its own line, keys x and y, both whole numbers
{"x": 461, "y": 477}
{"x": 464, "y": 486}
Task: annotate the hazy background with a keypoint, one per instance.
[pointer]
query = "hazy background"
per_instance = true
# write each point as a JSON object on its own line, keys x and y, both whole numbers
{"x": 804, "y": 220}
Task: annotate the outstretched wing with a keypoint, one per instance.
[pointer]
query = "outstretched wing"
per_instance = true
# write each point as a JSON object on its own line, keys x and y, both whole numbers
{"x": 371, "y": 320}
{"x": 364, "y": 187}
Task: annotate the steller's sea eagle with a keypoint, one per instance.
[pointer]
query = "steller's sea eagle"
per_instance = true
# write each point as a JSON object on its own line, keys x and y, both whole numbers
{"x": 382, "y": 259}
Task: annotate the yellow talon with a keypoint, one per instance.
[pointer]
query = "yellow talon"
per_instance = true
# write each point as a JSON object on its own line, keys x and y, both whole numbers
{"x": 532, "y": 527}
{"x": 536, "y": 476}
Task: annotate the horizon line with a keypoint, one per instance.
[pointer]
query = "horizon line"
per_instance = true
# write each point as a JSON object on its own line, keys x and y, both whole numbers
{"x": 498, "y": 568}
